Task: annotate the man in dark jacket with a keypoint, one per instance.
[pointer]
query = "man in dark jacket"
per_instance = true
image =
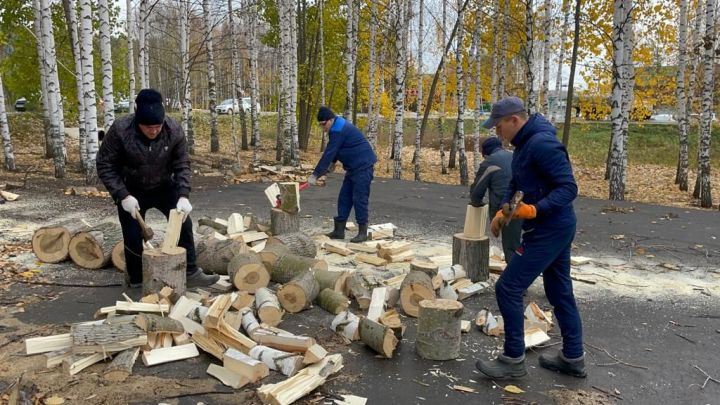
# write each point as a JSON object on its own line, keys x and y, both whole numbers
{"x": 143, "y": 163}
{"x": 493, "y": 177}
{"x": 541, "y": 169}
{"x": 348, "y": 145}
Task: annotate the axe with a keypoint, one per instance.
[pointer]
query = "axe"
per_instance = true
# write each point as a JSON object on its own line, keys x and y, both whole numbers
{"x": 146, "y": 230}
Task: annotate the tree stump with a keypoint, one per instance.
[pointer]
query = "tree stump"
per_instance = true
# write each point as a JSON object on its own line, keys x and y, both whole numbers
{"x": 332, "y": 301}
{"x": 290, "y": 266}
{"x": 473, "y": 254}
{"x": 163, "y": 269}
{"x": 438, "y": 329}
{"x": 379, "y": 337}
{"x": 282, "y": 222}
{"x": 268, "y": 307}
{"x": 213, "y": 255}
{"x": 51, "y": 243}
{"x": 247, "y": 272}
{"x": 92, "y": 249}
{"x": 118, "y": 256}
{"x": 334, "y": 280}
{"x": 298, "y": 243}
{"x": 416, "y": 286}
{"x": 299, "y": 293}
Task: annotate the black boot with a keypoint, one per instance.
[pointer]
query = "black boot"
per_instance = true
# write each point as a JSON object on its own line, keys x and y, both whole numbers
{"x": 362, "y": 234}
{"x": 200, "y": 279}
{"x": 503, "y": 367}
{"x": 558, "y": 362}
{"x": 338, "y": 232}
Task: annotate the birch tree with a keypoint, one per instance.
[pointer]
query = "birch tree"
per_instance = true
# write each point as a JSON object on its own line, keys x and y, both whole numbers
{"x": 237, "y": 90}
{"x": 212, "y": 91}
{"x": 628, "y": 98}
{"x": 107, "y": 71}
{"x": 288, "y": 73}
{"x": 418, "y": 110}
{"x": 495, "y": 53}
{"x": 460, "y": 124}
{"x": 547, "y": 34}
{"x": 702, "y": 184}
{"x": 129, "y": 26}
{"x": 254, "y": 87}
{"x": 528, "y": 54}
{"x": 443, "y": 93}
{"x": 321, "y": 40}
{"x": 372, "y": 109}
{"x": 86, "y": 49}
{"x": 185, "y": 74}
{"x": 72, "y": 25}
{"x": 562, "y": 34}
{"x": 350, "y": 54}
{"x": 142, "y": 44}
{"x": 37, "y": 28}
{"x": 477, "y": 53}
{"x": 502, "y": 65}
{"x": 401, "y": 28}
{"x": 621, "y": 11}
{"x": 694, "y": 56}
{"x": 5, "y": 132}
{"x": 681, "y": 176}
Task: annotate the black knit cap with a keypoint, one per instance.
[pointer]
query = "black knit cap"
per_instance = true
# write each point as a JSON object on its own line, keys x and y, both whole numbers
{"x": 491, "y": 145}
{"x": 149, "y": 108}
{"x": 325, "y": 114}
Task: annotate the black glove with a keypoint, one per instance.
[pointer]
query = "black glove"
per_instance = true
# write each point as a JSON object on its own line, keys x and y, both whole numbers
{"x": 477, "y": 204}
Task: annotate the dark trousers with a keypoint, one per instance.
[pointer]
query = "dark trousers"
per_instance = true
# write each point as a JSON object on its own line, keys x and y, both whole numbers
{"x": 546, "y": 252}
{"x": 355, "y": 192}
{"x": 164, "y": 199}
{"x": 510, "y": 234}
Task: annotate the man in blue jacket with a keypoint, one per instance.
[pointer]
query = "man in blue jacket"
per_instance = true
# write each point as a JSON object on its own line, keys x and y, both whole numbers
{"x": 541, "y": 170}
{"x": 493, "y": 177}
{"x": 348, "y": 145}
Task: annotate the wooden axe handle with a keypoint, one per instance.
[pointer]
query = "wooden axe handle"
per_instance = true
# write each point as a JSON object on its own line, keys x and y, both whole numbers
{"x": 146, "y": 230}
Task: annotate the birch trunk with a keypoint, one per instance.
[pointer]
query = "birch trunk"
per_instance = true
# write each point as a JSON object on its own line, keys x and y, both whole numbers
{"x": 106, "y": 58}
{"x": 617, "y": 186}
{"x": 562, "y": 33}
{"x": 372, "y": 109}
{"x": 53, "y": 72}
{"x": 443, "y": 95}
{"x": 5, "y": 132}
{"x": 503, "y": 50}
{"x": 478, "y": 91}
{"x": 142, "y": 44}
{"x": 531, "y": 101}
{"x": 694, "y": 60}
{"x": 212, "y": 91}
{"x": 418, "y": 111}
{"x": 494, "y": 61}
{"x": 237, "y": 91}
{"x": 72, "y": 24}
{"x": 681, "y": 177}
{"x": 295, "y": 161}
{"x": 254, "y": 86}
{"x": 185, "y": 73}
{"x": 321, "y": 40}
{"x": 461, "y": 101}
{"x": 86, "y": 41}
{"x": 350, "y": 56}
{"x": 37, "y": 26}
{"x": 545, "y": 106}
{"x": 129, "y": 26}
{"x": 629, "y": 87}
{"x": 703, "y": 182}
{"x": 401, "y": 25}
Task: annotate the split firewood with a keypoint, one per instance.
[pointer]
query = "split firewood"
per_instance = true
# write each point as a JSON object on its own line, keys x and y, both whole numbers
{"x": 268, "y": 307}
{"x": 298, "y": 243}
{"x": 232, "y": 337}
{"x": 332, "y": 301}
{"x": 391, "y": 319}
{"x": 227, "y": 377}
{"x": 217, "y": 311}
{"x": 247, "y": 272}
{"x": 359, "y": 290}
{"x": 288, "y": 391}
{"x": 156, "y": 324}
{"x": 488, "y": 323}
{"x": 219, "y": 225}
{"x": 447, "y": 292}
{"x": 385, "y": 250}
{"x": 46, "y": 344}
{"x": 153, "y": 298}
{"x": 465, "y": 326}
{"x": 282, "y": 222}
{"x": 164, "y": 268}
{"x": 401, "y": 257}
{"x": 287, "y": 363}
{"x": 282, "y": 340}
{"x": 361, "y": 247}
{"x": 249, "y": 236}
{"x": 337, "y": 247}
{"x": 291, "y": 266}
{"x": 392, "y": 297}
{"x": 346, "y": 324}
{"x": 134, "y": 307}
{"x": 472, "y": 289}
{"x": 213, "y": 255}
{"x": 452, "y": 273}
{"x": 77, "y": 363}
{"x": 439, "y": 315}
{"x": 314, "y": 354}
{"x": 416, "y": 286}
{"x": 299, "y": 293}
{"x": 8, "y": 196}
{"x": 209, "y": 345}
{"x": 475, "y": 221}
{"x": 121, "y": 366}
{"x": 172, "y": 232}
{"x": 245, "y": 365}
{"x": 56, "y": 358}
{"x": 180, "y": 339}
{"x": 106, "y": 338}
{"x": 169, "y": 354}
{"x": 381, "y": 231}
{"x": 378, "y": 337}
{"x": 233, "y": 319}
{"x": 92, "y": 248}
{"x": 395, "y": 281}
{"x": 248, "y": 321}
{"x": 426, "y": 266}
{"x": 334, "y": 280}
{"x": 461, "y": 283}
{"x": 289, "y": 196}
{"x": 370, "y": 259}
{"x": 243, "y": 299}
{"x": 236, "y": 223}
{"x": 377, "y": 303}
{"x": 51, "y": 243}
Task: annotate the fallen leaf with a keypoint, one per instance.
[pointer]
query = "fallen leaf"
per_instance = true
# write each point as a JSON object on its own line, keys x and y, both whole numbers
{"x": 617, "y": 237}
{"x": 513, "y": 389}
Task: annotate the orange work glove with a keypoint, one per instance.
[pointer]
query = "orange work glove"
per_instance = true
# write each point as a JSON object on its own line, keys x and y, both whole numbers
{"x": 525, "y": 211}
{"x": 497, "y": 223}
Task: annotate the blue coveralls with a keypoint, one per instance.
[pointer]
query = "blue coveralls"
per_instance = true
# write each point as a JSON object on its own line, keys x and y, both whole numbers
{"x": 348, "y": 145}
{"x": 541, "y": 169}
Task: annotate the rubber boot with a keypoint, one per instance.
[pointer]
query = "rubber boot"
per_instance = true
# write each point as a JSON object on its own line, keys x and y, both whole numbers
{"x": 200, "y": 279}
{"x": 338, "y": 232}
{"x": 561, "y": 364}
{"x": 362, "y": 235}
{"x": 503, "y": 367}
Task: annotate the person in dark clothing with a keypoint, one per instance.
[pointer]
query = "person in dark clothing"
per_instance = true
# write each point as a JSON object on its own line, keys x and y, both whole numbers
{"x": 348, "y": 145}
{"x": 541, "y": 169}
{"x": 493, "y": 177}
{"x": 143, "y": 162}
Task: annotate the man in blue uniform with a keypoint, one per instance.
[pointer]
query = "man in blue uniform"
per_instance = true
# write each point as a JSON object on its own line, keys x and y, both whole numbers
{"x": 541, "y": 170}
{"x": 493, "y": 177}
{"x": 348, "y": 145}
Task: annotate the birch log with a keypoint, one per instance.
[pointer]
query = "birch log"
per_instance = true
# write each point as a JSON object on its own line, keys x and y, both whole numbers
{"x": 332, "y": 301}
{"x": 378, "y": 337}
{"x": 297, "y": 243}
{"x": 287, "y": 363}
{"x": 164, "y": 269}
{"x": 268, "y": 307}
{"x": 51, "y": 243}
{"x": 91, "y": 249}
{"x": 299, "y": 293}
{"x": 248, "y": 273}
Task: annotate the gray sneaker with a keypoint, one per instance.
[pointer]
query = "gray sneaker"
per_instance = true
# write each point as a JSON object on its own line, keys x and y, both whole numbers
{"x": 200, "y": 279}
{"x": 503, "y": 367}
{"x": 561, "y": 364}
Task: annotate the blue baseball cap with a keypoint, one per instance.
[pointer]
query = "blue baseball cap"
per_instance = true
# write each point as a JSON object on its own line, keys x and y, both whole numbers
{"x": 503, "y": 108}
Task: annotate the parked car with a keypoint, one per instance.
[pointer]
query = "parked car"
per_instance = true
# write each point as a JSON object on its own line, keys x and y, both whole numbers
{"x": 21, "y": 104}
{"x": 662, "y": 117}
{"x": 246, "y": 105}
{"x": 229, "y": 106}
{"x": 122, "y": 106}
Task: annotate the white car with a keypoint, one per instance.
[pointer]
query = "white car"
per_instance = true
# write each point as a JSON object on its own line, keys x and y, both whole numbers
{"x": 230, "y": 106}
{"x": 246, "y": 105}
{"x": 664, "y": 117}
